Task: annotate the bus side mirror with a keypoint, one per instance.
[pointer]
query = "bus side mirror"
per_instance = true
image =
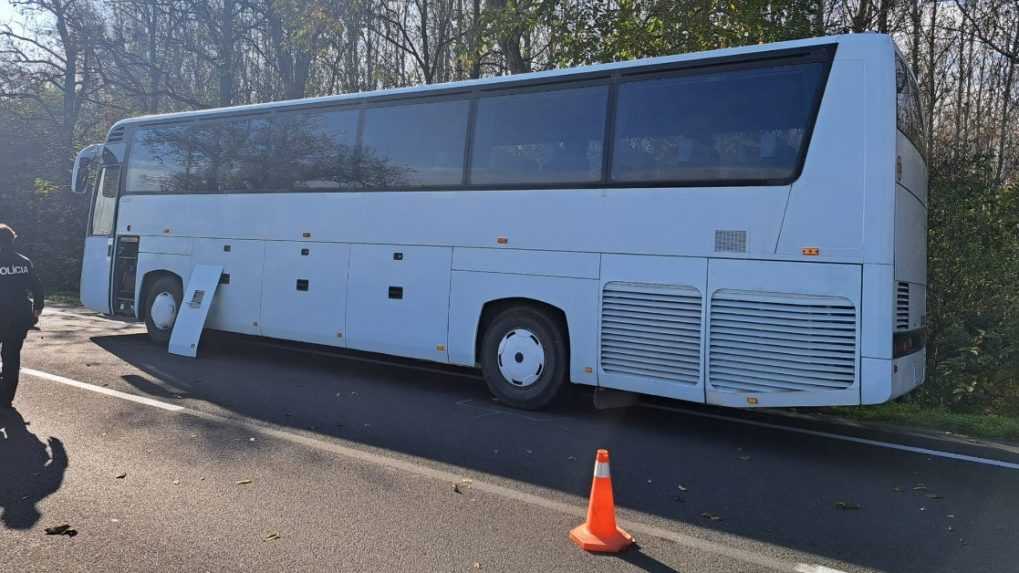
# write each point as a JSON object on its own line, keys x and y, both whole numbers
{"x": 82, "y": 172}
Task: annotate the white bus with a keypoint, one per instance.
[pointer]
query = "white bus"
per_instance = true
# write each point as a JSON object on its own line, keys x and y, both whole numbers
{"x": 743, "y": 227}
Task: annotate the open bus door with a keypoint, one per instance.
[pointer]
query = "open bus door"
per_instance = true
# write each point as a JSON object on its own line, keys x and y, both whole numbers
{"x": 97, "y": 261}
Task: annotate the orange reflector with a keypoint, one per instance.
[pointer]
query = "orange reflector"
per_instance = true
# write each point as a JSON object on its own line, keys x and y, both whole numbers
{"x": 751, "y": 400}
{"x": 810, "y": 251}
{"x": 440, "y": 347}
{"x": 588, "y": 370}
{"x": 501, "y": 240}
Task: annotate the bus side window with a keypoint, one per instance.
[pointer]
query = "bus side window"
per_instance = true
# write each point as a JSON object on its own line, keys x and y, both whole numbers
{"x": 432, "y": 156}
{"x": 542, "y": 137}
{"x": 158, "y": 161}
{"x": 313, "y": 151}
{"x": 734, "y": 126}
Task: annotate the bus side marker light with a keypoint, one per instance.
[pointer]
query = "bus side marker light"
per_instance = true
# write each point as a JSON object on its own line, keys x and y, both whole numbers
{"x": 306, "y": 235}
{"x": 810, "y": 251}
{"x": 502, "y": 240}
{"x": 440, "y": 347}
{"x": 751, "y": 401}
{"x": 588, "y": 370}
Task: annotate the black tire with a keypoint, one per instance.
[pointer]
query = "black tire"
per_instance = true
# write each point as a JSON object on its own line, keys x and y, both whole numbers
{"x": 543, "y": 382}
{"x": 169, "y": 285}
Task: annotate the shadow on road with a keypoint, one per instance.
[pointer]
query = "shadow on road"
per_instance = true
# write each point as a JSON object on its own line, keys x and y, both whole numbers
{"x": 756, "y": 483}
{"x": 643, "y": 561}
{"x": 30, "y": 470}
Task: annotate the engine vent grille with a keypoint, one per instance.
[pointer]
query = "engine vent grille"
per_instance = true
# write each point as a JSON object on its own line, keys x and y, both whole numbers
{"x": 652, "y": 330}
{"x": 902, "y": 306}
{"x": 730, "y": 241}
{"x": 115, "y": 135}
{"x": 773, "y": 342}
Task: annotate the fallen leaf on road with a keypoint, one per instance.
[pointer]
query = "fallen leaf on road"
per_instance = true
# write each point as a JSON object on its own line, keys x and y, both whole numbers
{"x": 176, "y": 482}
{"x": 477, "y": 565}
{"x": 64, "y": 529}
{"x": 711, "y": 516}
{"x": 121, "y": 475}
{"x": 847, "y": 505}
{"x": 244, "y": 482}
{"x": 271, "y": 536}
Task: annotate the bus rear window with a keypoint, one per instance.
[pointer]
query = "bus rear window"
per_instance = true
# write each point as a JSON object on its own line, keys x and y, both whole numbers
{"x": 908, "y": 113}
{"x": 739, "y": 127}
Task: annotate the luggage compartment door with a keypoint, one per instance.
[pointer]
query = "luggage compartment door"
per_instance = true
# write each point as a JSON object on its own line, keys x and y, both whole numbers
{"x": 304, "y": 292}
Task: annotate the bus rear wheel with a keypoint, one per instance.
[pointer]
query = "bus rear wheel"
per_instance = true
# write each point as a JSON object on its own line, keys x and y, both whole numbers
{"x": 161, "y": 304}
{"x": 524, "y": 358}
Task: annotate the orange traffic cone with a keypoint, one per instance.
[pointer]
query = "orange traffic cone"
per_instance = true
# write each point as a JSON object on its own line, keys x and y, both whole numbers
{"x": 600, "y": 532}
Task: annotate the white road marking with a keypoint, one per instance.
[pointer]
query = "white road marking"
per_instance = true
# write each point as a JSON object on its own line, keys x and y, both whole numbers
{"x": 844, "y": 438}
{"x": 420, "y": 469}
{"x": 804, "y": 568}
{"x": 105, "y": 391}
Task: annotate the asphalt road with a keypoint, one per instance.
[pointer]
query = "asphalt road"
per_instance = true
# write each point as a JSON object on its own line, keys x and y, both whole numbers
{"x": 352, "y": 462}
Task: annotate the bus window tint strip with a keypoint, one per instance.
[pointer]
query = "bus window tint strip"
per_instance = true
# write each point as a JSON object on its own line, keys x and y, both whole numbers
{"x": 738, "y": 126}
{"x": 742, "y": 124}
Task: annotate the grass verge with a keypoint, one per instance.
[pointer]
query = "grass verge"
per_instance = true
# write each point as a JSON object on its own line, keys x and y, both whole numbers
{"x": 987, "y": 426}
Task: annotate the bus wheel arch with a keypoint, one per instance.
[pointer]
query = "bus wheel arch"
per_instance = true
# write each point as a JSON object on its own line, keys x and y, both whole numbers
{"x": 523, "y": 347}
{"x": 163, "y": 288}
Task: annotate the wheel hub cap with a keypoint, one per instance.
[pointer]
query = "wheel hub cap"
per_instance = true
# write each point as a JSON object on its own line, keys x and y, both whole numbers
{"x": 163, "y": 311}
{"x": 521, "y": 357}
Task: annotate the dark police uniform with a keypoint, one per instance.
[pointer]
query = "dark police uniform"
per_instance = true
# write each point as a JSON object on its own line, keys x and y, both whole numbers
{"x": 17, "y": 280}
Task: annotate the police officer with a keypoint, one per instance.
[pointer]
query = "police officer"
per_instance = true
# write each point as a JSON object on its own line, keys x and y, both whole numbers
{"x": 17, "y": 312}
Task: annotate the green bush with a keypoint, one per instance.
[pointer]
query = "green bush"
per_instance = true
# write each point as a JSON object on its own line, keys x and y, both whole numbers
{"x": 973, "y": 296}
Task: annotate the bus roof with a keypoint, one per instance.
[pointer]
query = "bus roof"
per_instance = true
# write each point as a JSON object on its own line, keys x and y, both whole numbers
{"x": 547, "y": 76}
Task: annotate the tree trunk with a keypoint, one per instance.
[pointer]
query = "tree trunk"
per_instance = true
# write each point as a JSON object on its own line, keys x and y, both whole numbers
{"x": 1006, "y": 109}
{"x": 226, "y": 54}
{"x": 509, "y": 37}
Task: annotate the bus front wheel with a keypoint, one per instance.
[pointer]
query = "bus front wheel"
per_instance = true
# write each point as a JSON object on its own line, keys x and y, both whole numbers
{"x": 524, "y": 358}
{"x": 161, "y": 304}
